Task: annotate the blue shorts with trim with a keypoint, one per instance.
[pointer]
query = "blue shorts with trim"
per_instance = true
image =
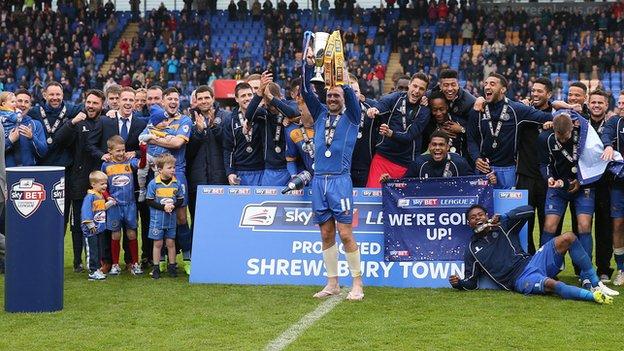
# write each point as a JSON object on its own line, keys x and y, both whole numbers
{"x": 545, "y": 264}
{"x": 505, "y": 177}
{"x": 121, "y": 216}
{"x": 160, "y": 233}
{"x": 275, "y": 177}
{"x": 617, "y": 202}
{"x": 181, "y": 177}
{"x": 251, "y": 178}
{"x": 557, "y": 201}
{"x": 332, "y": 196}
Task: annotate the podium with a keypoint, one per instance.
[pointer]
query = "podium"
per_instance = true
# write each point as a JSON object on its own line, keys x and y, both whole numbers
{"x": 34, "y": 239}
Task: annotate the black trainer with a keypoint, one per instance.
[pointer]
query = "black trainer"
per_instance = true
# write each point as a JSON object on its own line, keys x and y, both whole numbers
{"x": 155, "y": 272}
{"x": 172, "y": 269}
{"x": 146, "y": 264}
{"x": 79, "y": 268}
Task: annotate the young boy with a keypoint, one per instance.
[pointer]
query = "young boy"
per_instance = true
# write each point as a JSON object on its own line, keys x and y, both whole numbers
{"x": 157, "y": 128}
{"x": 164, "y": 195}
{"x": 124, "y": 213}
{"x": 93, "y": 221}
{"x": 24, "y": 138}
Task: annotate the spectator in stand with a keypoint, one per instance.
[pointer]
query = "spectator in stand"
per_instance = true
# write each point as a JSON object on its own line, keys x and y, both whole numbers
{"x": 325, "y": 10}
{"x": 232, "y": 11}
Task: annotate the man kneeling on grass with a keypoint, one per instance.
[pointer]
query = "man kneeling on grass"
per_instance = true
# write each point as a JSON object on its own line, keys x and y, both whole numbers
{"x": 495, "y": 251}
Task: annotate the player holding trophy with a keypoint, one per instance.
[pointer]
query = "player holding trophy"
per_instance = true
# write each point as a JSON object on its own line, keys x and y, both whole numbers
{"x": 336, "y": 127}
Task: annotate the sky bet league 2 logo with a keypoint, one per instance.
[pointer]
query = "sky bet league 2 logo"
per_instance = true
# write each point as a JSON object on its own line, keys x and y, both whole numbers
{"x": 297, "y": 216}
{"x": 27, "y": 195}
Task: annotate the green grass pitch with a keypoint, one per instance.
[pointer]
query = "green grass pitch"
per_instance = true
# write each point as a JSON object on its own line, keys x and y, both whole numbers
{"x": 130, "y": 313}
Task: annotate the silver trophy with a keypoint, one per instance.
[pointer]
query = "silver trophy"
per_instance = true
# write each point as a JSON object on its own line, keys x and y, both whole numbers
{"x": 320, "y": 42}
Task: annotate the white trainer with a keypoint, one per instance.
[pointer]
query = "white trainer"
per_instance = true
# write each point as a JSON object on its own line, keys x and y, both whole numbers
{"x": 619, "y": 279}
{"x": 115, "y": 270}
{"x": 136, "y": 269}
{"x": 605, "y": 278}
{"x": 605, "y": 290}
{"x": 97, "y": 275}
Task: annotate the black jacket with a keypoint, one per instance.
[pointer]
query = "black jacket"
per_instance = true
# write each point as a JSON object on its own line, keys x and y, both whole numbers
{"x": 83, "y": 139}
{"x": 204, "y": 155}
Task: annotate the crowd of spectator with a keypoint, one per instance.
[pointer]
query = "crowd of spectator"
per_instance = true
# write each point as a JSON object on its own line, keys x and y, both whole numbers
{"x": 565, "y": 42}
{"x": 177, "y": 48}
{"x": 38, "y": 45}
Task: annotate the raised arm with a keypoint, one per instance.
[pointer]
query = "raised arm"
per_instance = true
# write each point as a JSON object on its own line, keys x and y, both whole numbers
{"x": 385, "y": 104}
{"x": 352, "y": 104}
{"x": 531, "y": 114}
{"x": 254, "y": 110}
{"x": 284, "y": 108}
{"x": 311, "y": 100}
{"x": 415, "y": 128}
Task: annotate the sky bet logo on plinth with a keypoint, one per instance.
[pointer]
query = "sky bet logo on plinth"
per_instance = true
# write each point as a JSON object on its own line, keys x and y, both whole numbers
{"x": 27, "y": 195}
{"x": 58, "y": 195}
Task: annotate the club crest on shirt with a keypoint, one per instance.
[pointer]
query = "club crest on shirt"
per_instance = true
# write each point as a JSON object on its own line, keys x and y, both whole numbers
{"x": 100, "y": 217}
{"x": 120, "y": 180}
{"x": 167, "y": 201}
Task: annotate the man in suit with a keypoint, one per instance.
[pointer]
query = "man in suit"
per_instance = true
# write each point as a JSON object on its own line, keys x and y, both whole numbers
{"x": 129, "y": 128}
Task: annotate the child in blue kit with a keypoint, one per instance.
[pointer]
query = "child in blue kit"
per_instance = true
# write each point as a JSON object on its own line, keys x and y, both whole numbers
{"x": 164, "y": 195}
{"x": 157, "y": 128}
{"x": 93, "y": 221}
{"x": 124, "y": 213}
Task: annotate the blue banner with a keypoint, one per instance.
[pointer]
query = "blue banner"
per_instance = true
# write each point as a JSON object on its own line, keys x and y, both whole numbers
{"x": 256, "y": 235}
{"x": 425, "y": 219}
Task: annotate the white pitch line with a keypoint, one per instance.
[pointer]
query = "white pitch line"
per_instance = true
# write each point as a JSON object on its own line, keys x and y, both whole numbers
{"x": 294, "y": 331}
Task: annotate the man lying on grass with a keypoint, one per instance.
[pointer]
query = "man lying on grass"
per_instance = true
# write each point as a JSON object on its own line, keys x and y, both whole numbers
{"x": 495, "y": 251}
